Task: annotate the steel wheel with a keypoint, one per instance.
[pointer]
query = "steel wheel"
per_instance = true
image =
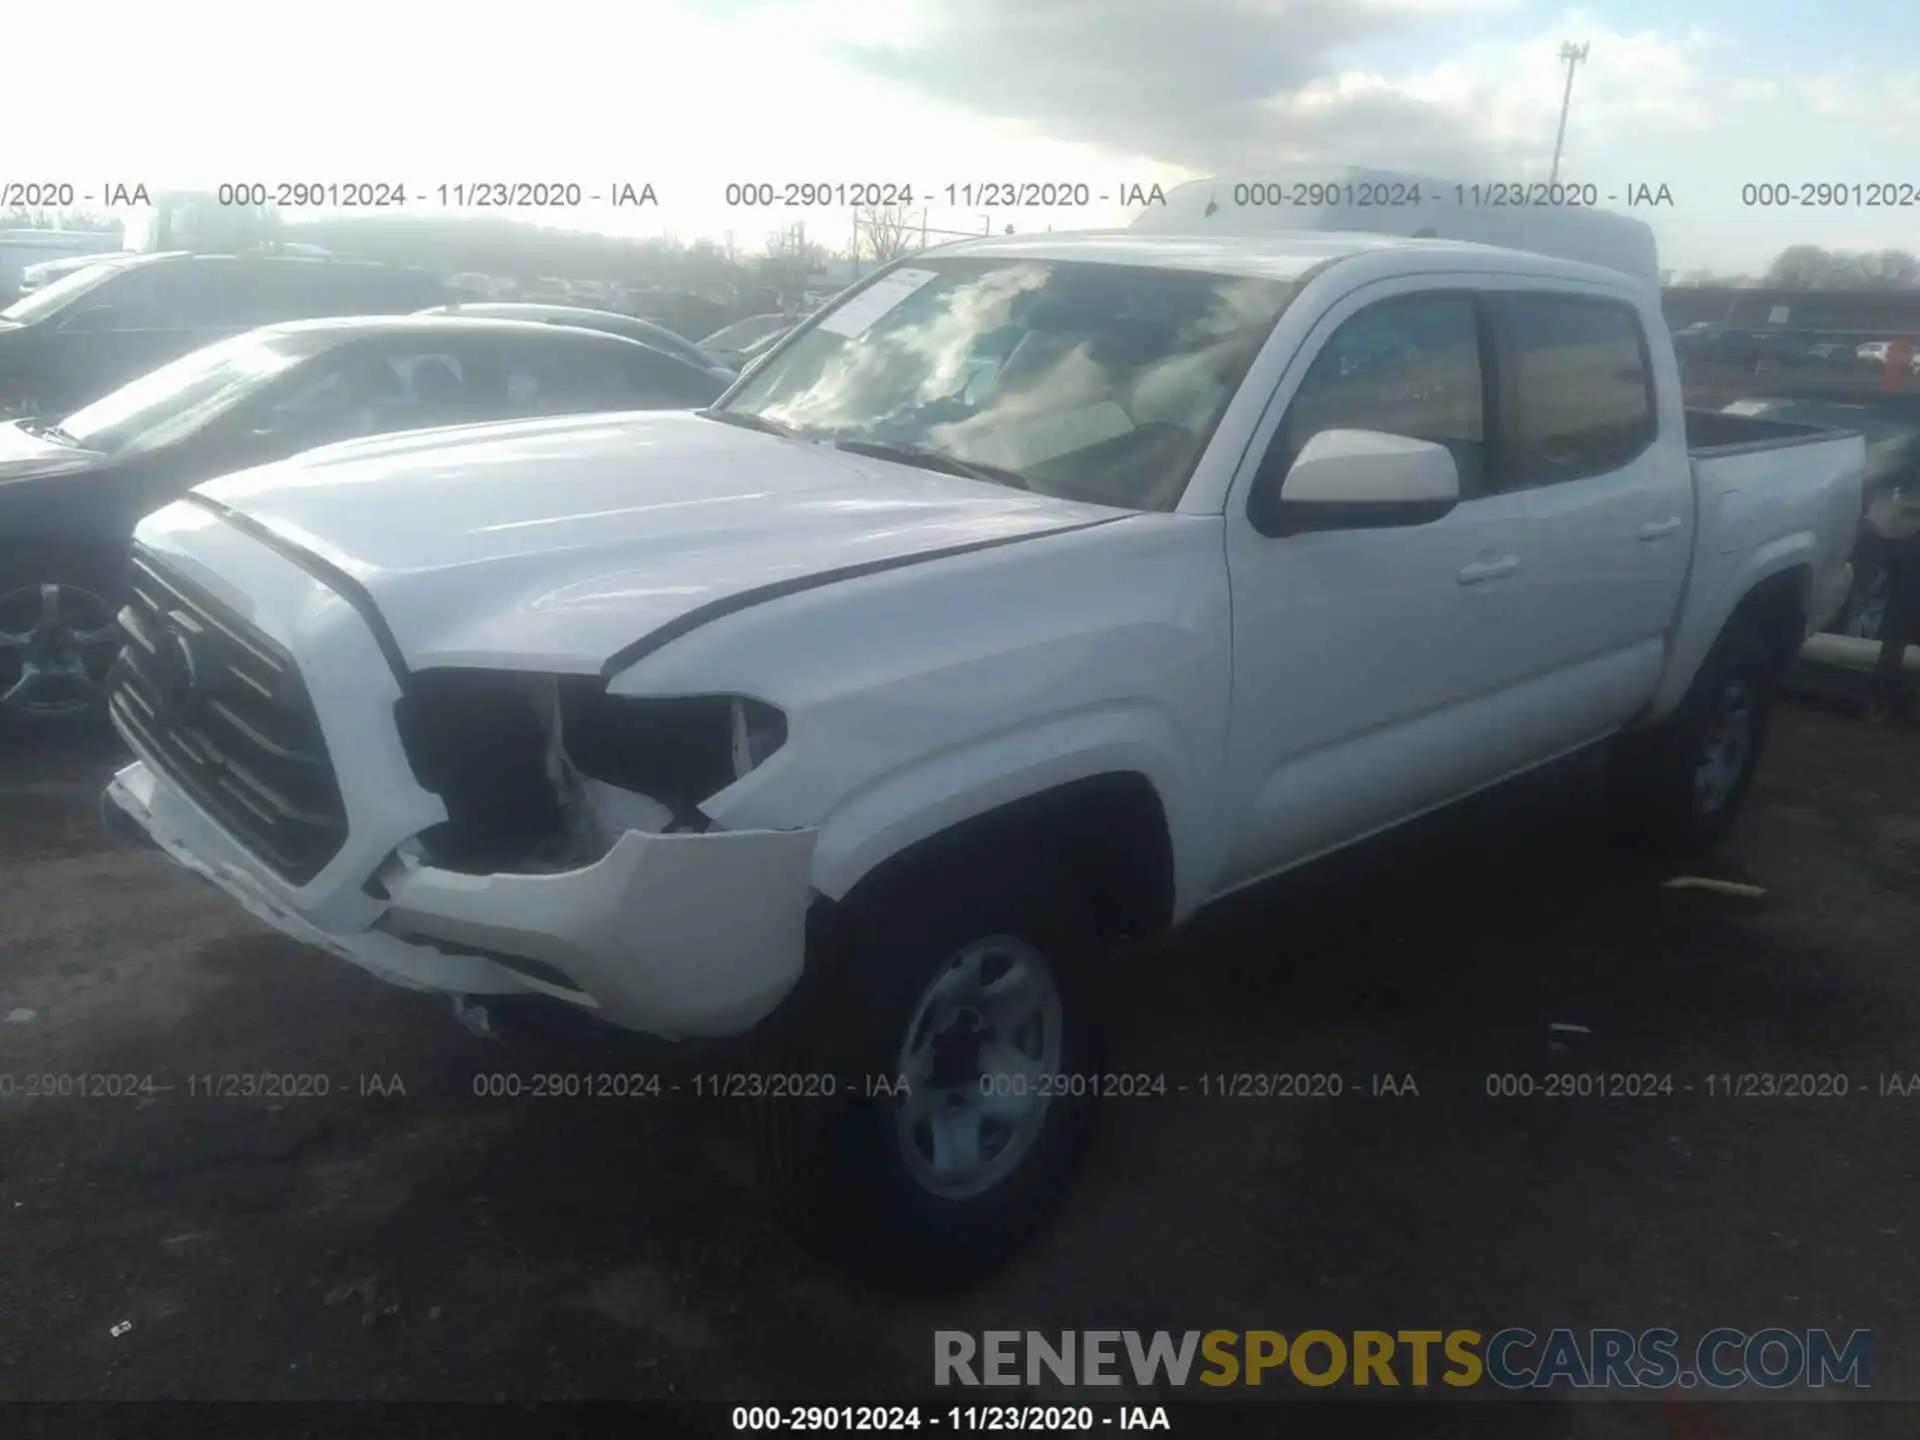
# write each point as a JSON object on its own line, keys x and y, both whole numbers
{"x": 57, "y": 643}
{"x": 984, "y": 1039}
{"x": 1726, "y": 749}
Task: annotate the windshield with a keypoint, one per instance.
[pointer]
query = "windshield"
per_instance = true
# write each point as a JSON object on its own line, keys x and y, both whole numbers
{"x": 50, "y": 298}
{"x": 743, "y": 333}
{"x": 1092, "y": 382}
{"x": 167, "y": 404}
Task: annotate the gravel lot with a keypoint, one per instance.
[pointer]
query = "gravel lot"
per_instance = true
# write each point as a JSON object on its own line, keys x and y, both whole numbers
{"x": 433, "y": 1244}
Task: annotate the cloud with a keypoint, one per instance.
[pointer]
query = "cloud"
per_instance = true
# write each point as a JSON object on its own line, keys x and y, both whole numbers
{"x": 1206, "y": 84}
{"x": 1252, "y": 86}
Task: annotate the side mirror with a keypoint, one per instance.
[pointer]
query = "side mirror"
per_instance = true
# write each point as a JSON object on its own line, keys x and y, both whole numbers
{"x": 1358, "y": 480}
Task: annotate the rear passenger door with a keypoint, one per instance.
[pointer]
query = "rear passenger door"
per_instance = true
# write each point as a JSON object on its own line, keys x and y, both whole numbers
{"x": 1608, "y": 507}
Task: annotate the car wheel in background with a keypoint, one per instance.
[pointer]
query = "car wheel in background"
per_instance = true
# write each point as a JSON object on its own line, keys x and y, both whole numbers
{"x": 58, "y": 640}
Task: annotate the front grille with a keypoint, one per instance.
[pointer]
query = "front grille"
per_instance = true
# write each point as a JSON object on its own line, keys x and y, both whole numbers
{"x": 222, "y": 711}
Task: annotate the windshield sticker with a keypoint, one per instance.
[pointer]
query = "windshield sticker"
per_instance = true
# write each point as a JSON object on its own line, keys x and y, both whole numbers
{"x": 859, "y": 313}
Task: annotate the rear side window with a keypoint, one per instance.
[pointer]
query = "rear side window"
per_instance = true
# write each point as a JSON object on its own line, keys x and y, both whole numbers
{"x": 1583, "y": 390}
{"x": 306, "y": 290}
{"x": 364, "y": 391}
{"x": 245, "y": 293}
{"x": 565, "y": 377}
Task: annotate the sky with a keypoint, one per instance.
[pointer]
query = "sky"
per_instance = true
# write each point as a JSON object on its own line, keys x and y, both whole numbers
{"x": 1704, "y": 97}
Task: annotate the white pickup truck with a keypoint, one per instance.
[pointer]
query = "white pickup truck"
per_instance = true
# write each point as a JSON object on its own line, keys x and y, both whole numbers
{"x": 1039, "y": 592}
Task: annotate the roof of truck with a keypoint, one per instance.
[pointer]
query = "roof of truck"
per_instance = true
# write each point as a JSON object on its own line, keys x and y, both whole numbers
{"x": 1287, "y": 255}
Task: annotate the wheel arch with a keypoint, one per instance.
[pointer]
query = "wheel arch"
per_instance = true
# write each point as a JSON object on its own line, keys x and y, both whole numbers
{"x": 1773, "y": 590}
{"x": 1775, "y": 608}
{"x": 1109, "y": 828}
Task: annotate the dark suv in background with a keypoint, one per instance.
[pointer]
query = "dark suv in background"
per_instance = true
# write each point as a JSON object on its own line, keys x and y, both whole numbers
{"x": 92, "y": 331}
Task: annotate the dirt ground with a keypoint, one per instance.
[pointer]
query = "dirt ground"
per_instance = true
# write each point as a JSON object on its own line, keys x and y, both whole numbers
{"x": 432, "y": 1244}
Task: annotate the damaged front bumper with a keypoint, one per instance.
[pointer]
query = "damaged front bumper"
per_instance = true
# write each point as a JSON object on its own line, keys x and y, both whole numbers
{"x": 681, "y": 936}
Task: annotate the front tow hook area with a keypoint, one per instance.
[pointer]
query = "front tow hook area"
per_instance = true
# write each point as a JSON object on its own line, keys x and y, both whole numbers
{"x": 123, "y": 826}
{"x": 474, "y": 1018}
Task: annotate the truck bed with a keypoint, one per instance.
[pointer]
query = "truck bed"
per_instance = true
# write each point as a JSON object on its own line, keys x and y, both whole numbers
{"x": 1715, "y": 433}
{"x": 1766, "y": 493}
{"x": 1759, "y": 481}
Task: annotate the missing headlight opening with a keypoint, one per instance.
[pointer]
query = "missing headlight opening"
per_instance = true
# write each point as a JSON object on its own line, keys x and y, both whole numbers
{"x": 545, "y": 773}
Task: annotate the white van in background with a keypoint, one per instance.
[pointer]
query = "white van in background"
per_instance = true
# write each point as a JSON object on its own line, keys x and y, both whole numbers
{"x": 1562, "y": 221}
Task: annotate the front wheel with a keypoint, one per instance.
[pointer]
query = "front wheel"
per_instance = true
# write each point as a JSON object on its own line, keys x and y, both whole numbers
{"x": 1677, "y": 788}
{"x": 951, "y": 1020}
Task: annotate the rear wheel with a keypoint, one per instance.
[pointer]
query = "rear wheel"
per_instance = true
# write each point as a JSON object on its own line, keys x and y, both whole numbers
{"x": 58, "y": 640}
{"x": 1679, "y": 787}
{"x": 947, "y": 1022}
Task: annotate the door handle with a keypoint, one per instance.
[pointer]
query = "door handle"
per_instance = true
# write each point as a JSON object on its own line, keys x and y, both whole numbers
{"x": 1654, "y": 529}
{"x": 1482, "y": 571}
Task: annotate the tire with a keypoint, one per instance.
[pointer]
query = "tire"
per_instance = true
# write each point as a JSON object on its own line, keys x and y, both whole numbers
{"x": 857, "y": 1177}
{"x": 1677, "y": 788}
{"x": 69, "y": 643}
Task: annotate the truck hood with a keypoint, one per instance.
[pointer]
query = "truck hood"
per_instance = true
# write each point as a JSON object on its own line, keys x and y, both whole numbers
{"x": 552, "y": 545}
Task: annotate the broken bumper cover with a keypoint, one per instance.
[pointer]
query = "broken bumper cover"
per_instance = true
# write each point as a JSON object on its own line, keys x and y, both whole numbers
{"x": 679, "y": 936}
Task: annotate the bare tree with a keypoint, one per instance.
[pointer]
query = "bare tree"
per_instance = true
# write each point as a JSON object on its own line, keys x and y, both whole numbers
{"x": 1808, "y": 267}
{"x": 882, "y": 233}
{"x": 20, "y": 217}
{"x": 1800, "y": 267}
{"x": 790, "y": 249}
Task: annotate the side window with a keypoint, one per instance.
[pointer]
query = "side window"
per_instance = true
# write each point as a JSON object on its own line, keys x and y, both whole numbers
{"x": 374, "y": 394}
{"x": 264, "y": 292}
{"x": 1584, "y": 398}
{"x": 562, "y": 378}
{"x": 1408, "y": 366}
{"x": 136, "y": 299}
{"x": 328, "y": 401}
{"x": 662, "y": 382}
{"x": 431, "y": 387}
{"x": 256, "y": 294}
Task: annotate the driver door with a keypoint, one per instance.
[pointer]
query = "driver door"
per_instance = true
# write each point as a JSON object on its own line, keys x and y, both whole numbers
{"x": 1369, "y": 662}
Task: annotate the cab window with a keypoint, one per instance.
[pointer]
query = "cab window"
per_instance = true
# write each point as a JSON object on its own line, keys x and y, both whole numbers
{"x": 1583, "y": 387}
{"x": 1408, "y": 366}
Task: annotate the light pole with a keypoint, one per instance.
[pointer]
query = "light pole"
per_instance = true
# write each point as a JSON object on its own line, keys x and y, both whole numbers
{"x": 1573, "y": 54}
